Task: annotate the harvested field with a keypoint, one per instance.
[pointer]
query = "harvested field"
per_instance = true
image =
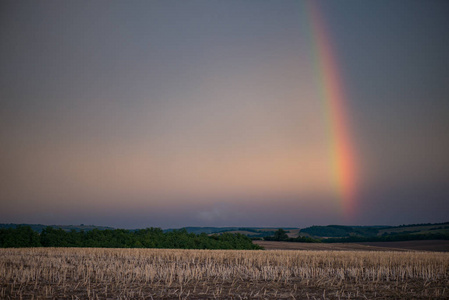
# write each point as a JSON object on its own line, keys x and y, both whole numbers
{"x": 88, "y": 273}
{"x": 430, "y": 245}
{"x": 270, "y": 245}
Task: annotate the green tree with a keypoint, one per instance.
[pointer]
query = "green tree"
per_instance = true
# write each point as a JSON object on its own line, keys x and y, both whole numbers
{"x": 280, "y": 235}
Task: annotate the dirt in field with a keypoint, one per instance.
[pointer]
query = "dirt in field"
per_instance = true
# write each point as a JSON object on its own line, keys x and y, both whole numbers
{"x": 431, "y": 245}
{"x": 293, "y": 289}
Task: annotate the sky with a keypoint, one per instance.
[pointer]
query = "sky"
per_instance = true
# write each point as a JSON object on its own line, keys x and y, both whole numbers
{"x": 175, "y": 113}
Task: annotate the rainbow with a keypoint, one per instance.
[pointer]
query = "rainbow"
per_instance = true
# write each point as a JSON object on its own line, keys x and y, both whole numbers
{"x": 342, "y": 154}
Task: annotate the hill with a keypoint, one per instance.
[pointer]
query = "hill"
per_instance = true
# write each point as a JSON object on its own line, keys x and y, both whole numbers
{"x": 252, "y": 232}
{"x": 338, "y": 231}
{"x": 355, "y": 234}
{"x": 329, "y": 233}
{"x": 40, "y": 227}
{"x": 341, "y": 231}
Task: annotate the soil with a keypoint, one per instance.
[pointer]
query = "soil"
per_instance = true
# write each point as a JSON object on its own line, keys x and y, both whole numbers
{"x": 430, "y": 245}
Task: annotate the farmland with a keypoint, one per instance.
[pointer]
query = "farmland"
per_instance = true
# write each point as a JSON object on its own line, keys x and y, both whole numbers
{"x": 426, "y": 245}
{"x": 91, "y": 273}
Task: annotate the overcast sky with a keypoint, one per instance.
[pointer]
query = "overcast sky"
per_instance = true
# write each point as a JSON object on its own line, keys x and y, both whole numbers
{"x": 134, "y": 114}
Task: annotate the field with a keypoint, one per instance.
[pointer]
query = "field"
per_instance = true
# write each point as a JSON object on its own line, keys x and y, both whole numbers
{"x": 425, "y": 245}
{"x": 93, "y": 273}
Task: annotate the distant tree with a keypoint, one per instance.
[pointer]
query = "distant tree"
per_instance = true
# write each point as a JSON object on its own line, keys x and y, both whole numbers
{"x": 280, "y": 235}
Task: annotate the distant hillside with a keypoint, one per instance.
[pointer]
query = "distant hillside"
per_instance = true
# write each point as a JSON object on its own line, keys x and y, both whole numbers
{"x": 207, "y": 230}
{"x": 417, "y": 229}
{"x": 252, "y": 232}
{"x": 40, "y": 227}
{"x": 341, "y": 231}
{"x": 338, "y": 231}
{"x": 329, "y": 233}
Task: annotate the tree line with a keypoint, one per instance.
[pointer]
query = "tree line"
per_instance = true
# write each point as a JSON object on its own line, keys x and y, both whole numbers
{"x": 24, "y": 236}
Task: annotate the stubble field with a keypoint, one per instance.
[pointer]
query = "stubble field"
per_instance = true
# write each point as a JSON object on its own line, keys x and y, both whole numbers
{"x": 92, "y": 273}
